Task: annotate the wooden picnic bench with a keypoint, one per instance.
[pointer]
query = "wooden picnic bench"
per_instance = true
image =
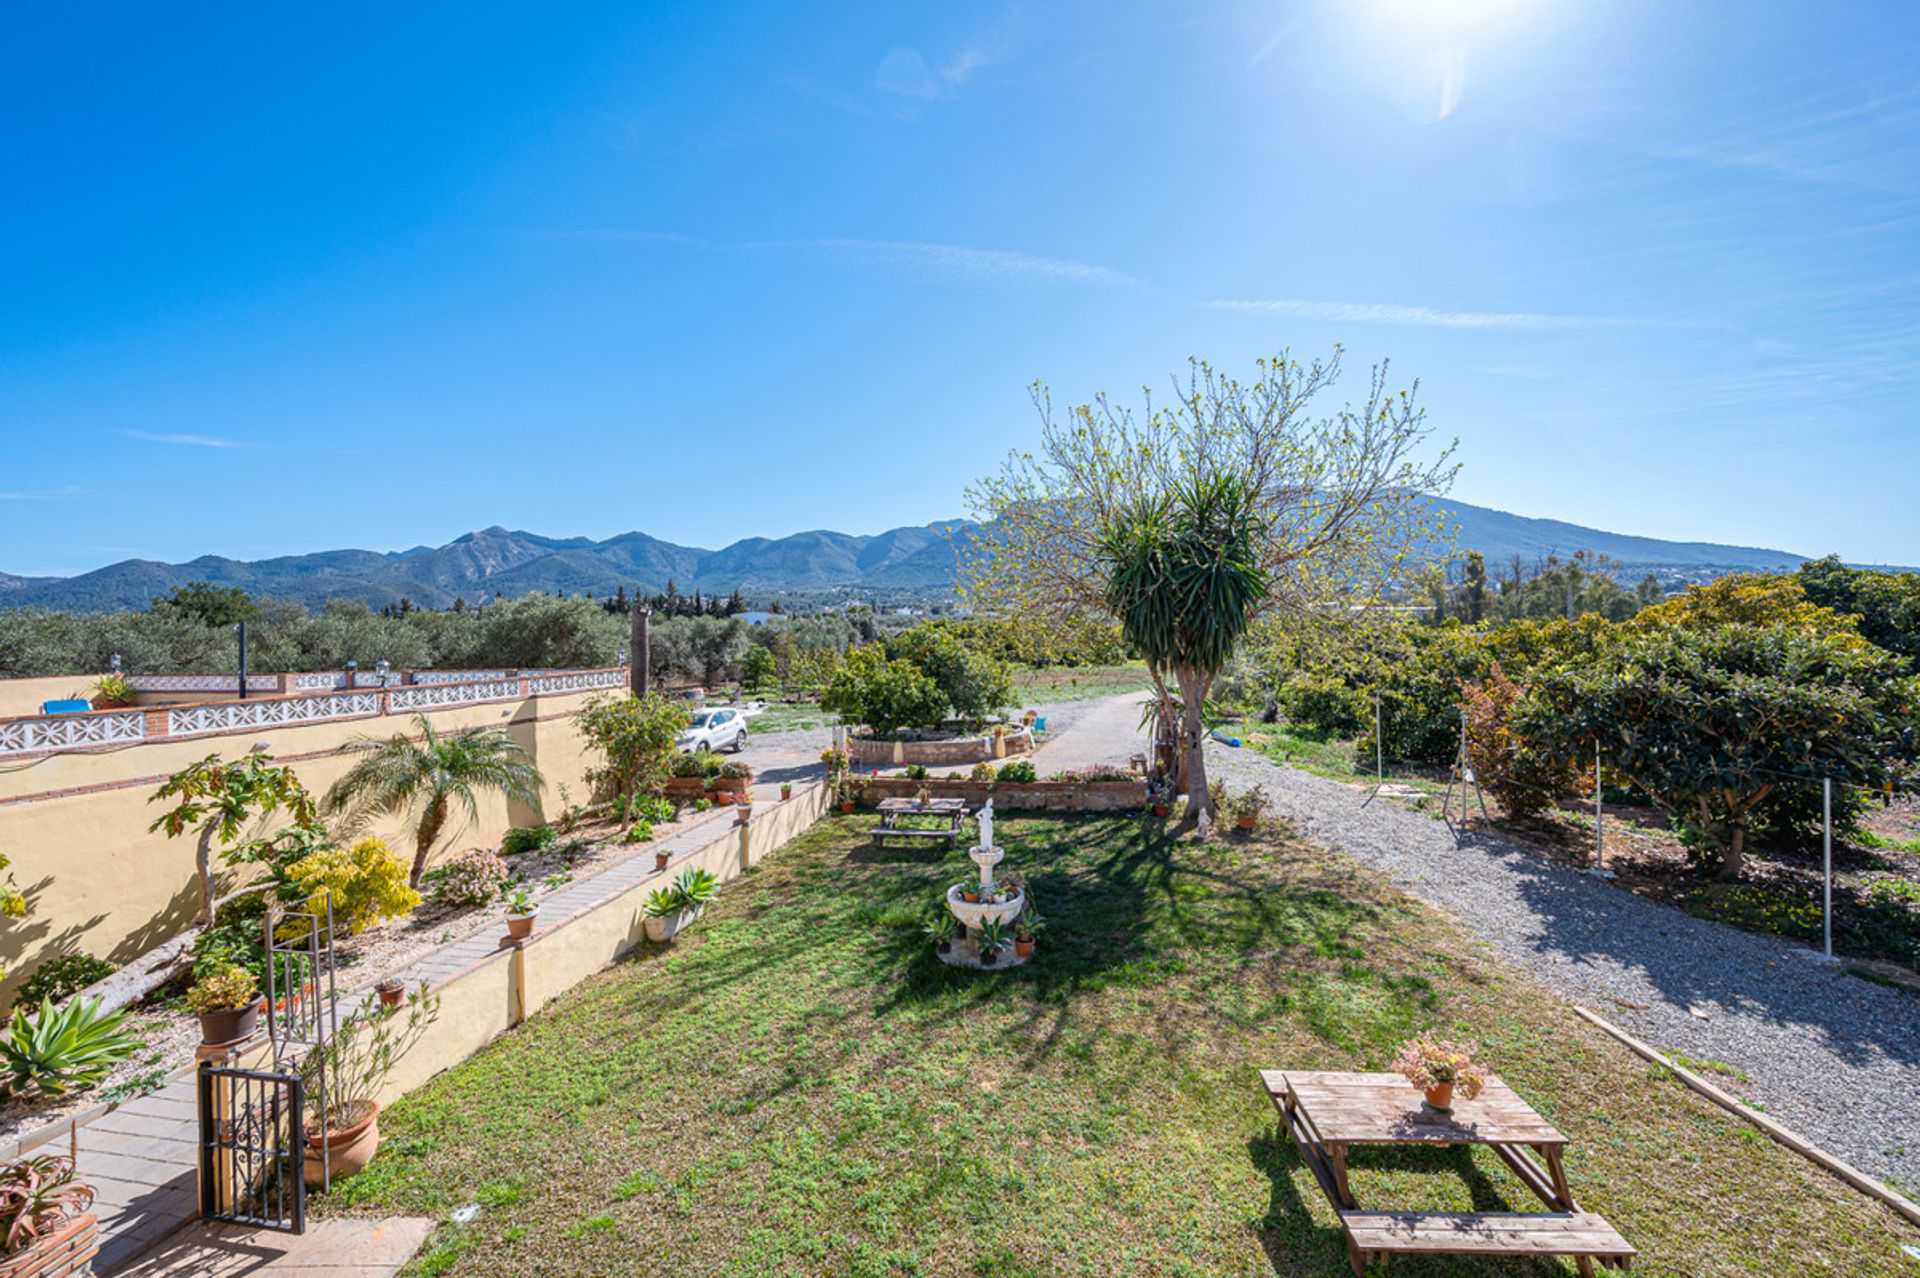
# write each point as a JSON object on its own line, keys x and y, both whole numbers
{"x": 1327, "y": 1114}
{"x": 948, "y": 813}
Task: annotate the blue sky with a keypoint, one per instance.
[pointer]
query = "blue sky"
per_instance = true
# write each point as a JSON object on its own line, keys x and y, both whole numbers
{"x": 289, "y": 278}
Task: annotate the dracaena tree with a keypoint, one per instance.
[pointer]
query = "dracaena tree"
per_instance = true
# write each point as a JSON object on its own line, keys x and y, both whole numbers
{"x": 1340, "y": 499}
{"x": 1184, "y": 578}
{"x": 432, "y": 777}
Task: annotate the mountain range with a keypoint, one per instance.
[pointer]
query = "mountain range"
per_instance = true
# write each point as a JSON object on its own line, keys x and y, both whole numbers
{"x": 914, "y": 560}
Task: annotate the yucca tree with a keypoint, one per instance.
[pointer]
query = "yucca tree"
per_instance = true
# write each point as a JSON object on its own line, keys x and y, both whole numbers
{"x": 1184, "y": 579}
{"x": 432, "y": 775}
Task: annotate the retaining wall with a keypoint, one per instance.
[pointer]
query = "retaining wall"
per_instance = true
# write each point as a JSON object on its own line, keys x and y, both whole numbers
{"x": 1044, "y": 796}
{"x": 953, "y": 751}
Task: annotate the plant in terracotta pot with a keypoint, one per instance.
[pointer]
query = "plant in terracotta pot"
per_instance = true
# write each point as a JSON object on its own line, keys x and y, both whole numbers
{"x": 521, "y": 909}
{"x": 344, "y": 1134}
{"x": 990, "y": 938}
{"x": 1247, "y": 807}
{"x": 227, "y": 1002}
{"x": 847, "y": 792}
{"x": 391, "y": 992}
{"x": 786, "y": 790}
{"x": 940, "y": 929}
{"x": 1440, "y": 1068}
{"x": 1026, "y": 928}
{"x": 46, "y": 1230}
{"x": 660, "y": 858}
{"x": 112, "y": 691}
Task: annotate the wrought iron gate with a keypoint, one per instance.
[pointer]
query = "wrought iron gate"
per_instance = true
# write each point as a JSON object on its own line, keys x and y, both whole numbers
{"x": 252, "y": 1148}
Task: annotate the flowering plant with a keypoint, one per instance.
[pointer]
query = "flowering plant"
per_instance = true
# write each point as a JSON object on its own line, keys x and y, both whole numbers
{"x": 1428, "y": 1062}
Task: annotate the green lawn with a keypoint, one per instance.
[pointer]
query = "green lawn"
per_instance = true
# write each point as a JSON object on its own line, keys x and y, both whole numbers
{"x": 1077, "y": 683}
{"x": 798, "y": 1087}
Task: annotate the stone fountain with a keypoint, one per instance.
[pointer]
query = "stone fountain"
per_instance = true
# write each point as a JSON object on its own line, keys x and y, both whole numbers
{"x": 994, "y": 902}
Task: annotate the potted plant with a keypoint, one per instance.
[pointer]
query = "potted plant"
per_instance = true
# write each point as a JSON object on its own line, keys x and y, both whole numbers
{"x": 660, "y": 858}
{"x": 1025, "y": 929}
{"x": 1247, "y": 806}
{"x": 46, "y": 1230}
{"x": 227, "y": 1003}
{"x": 521, "y": 909}
{"x": 688, "y": 779}
{"x": 786, "y": 791}
{"x": 364, "y": 1048}
{"x": 391, "y": 992}
{"x": 111, "y": 692}
{"x": 1439, "y": 1068}
{"x": 990, "y": 938}
{"x": 847, "y": 792}
{"x": 969, "y": 890}
{"x": 731, "y": 783}
{"x": 672, "y": 908}
{"x": 923, "y": 796}
{"x": 940, "y": 928}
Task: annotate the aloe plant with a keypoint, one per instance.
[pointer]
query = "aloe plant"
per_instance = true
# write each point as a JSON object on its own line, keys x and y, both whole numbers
{"x": 38, "y": 1195}
{"x": 58, "y": 1048}
{"x": 991, "y": 937}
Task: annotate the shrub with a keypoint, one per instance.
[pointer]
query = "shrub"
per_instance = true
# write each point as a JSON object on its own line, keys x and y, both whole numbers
{"x": 638, "y": 832}
{"x": 916, "y": 772}
{"x": 1713, "y": 722}
{"x": 1323, "y": 703}
{"x": 1525, "y": 776}
{"x": 636, "y": 736}
{"x": 1019, "y": 772}
{"x": 58, "y": 978}
{"x": 528, "y": 838}
{"x": 658, "y": 811}
{"x": 366, "y": 884}
{"x": 1092, "y": 775}
{"x": 223, "y": 991}
{"x": 982, "y": 771}
{"x": 55, "y": 1049}
{"x": 473, "y": 879}
{"x": 885, "y": 695}
{"x": 973, "y": 684}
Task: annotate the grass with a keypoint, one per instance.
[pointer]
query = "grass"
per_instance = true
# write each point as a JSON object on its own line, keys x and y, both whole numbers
{"x": 799, "y": 1087}
{"x": 1077, "y": 683}
{"x": 782, "y": 717}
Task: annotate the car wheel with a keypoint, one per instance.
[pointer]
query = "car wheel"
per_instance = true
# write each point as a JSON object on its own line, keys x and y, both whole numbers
{"x": 740, "y": 742}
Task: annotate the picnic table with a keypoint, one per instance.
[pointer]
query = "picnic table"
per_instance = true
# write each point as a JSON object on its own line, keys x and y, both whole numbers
{"x": 946, "y": 813}
{"x": 1327, "y": 1114}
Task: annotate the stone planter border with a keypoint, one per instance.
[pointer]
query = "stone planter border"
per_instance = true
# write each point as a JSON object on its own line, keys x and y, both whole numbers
{"x": 949, "y": 752}
{"x": 1043, "y": 796}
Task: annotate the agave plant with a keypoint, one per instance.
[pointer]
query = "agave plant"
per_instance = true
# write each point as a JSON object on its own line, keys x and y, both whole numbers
{"x": 36, "y": 1196}
{"x": 695, "y": 887}
{"x": 57, "y": 1048}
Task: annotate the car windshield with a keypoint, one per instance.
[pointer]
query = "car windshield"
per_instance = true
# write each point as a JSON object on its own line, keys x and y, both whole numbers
{"x": 698, "y": 720}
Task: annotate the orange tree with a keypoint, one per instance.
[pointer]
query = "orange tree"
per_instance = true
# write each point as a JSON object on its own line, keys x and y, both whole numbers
{"x": 218, "y": 800}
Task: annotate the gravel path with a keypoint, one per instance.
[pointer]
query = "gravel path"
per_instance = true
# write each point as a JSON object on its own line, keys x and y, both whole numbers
{"x": 1832, "y": 1056}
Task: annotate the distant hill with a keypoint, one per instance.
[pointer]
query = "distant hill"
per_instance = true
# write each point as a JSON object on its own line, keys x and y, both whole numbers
{"x": 918, "y": 559}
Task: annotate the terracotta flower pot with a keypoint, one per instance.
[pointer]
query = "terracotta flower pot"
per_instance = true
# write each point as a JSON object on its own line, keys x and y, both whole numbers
{"x": 229, "y": 1025}
{"x": 1245, "y": 823}
{"x": 1441, "y": 1097}
{"x": 391, "y": 995}
{"x": 67, "y": 1250}
{"x": 1163, "y": 809}
{"x": 349, "y": 1149}
{"x": 660, "y": 860}
{"x": 845, "y": 807}
{"x": 520, "y": 926}
{"x": 1023, "y": 948}
{"x": 786, "y": 791}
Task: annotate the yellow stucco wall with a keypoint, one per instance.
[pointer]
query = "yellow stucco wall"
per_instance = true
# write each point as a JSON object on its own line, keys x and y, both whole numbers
{"x": 97, "y": 881}
{"x": 22, "y": 697}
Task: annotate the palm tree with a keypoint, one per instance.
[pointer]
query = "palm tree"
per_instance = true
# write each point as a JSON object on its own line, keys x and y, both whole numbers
{"x": 1184, "y": 579}
{"x": 429, "y": 776}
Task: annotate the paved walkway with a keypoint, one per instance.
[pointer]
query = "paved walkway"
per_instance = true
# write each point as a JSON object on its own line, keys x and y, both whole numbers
{"x": 142, "y": 1156}
{"x": 1835, "y": 1057}
{"x": 1083, "y": 734}
{"x": 338, "y": 1248}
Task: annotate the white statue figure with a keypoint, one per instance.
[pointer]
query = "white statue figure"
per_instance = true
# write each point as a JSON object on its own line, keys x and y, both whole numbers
{"x": 986, "y": 825}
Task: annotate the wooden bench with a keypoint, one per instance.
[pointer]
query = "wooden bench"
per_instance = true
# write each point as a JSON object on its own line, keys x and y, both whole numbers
{"x": 950, "y": 812}
{"x": 1328, "y": 1113}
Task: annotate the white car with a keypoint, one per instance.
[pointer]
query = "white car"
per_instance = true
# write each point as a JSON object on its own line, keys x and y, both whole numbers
{"x": 715, "y": 730}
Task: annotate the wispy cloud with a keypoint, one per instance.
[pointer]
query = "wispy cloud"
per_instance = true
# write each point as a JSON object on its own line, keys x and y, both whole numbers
{"x": 908, "y": 73}
{"x": 189, "y": 441}
{"x": 1415, "y": 316}
{"x": 959, "y": 259}
{"x": 42, "y": 494}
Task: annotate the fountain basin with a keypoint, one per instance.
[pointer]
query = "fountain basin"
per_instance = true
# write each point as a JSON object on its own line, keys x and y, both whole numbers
{"x": 974, "y": 913}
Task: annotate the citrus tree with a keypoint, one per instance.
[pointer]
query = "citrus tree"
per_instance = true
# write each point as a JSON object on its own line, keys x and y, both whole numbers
{"x": 218, "y": 800}
{"x": 636, "y": 736}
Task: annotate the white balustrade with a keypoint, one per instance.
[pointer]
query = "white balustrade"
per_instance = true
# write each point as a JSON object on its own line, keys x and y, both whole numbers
{"x": 575, "y": 681}
{"x": 202, "y": 683}
{"x": 71, "y": 731}
{"x": 426, "y": 695}
{"x": 234, "y": 716}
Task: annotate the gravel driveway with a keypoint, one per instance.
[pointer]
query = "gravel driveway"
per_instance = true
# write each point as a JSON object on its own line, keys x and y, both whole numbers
{"x": 1833, "y": 1056}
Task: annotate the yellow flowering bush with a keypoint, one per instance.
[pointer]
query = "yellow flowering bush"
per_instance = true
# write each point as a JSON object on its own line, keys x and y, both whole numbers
{"x": 367, "y": 882}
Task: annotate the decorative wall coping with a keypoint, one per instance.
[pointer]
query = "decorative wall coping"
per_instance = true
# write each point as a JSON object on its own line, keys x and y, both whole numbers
{"x": 290, "y": 699}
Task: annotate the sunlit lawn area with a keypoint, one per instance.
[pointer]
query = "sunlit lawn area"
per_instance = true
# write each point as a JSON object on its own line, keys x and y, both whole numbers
{"x": 1077, "y": 683}
{"x": 799, "y": 1087}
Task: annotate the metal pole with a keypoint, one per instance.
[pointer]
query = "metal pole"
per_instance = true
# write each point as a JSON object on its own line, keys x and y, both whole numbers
{"x": 1379, "y": 750}
{"x": 1599, "y": 840}
{"x": 243, "y": 661}
{"x": 1826, "y": 862}
{"x": 640, "y": 675}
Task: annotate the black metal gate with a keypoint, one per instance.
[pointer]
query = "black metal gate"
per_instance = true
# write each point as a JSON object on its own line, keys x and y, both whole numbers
{"x": 252, "y": 1148}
